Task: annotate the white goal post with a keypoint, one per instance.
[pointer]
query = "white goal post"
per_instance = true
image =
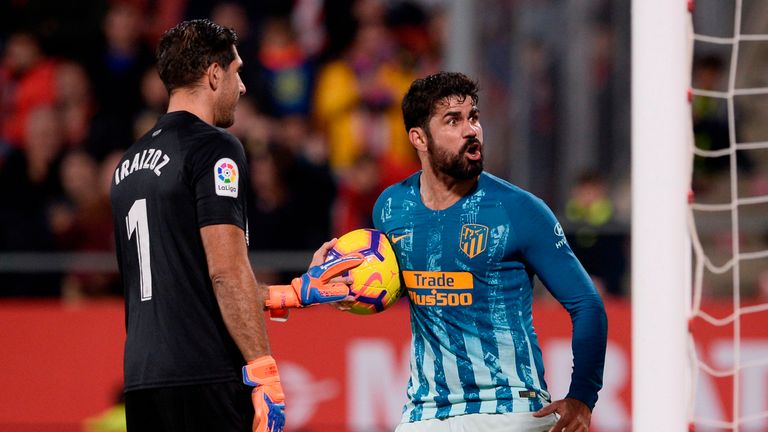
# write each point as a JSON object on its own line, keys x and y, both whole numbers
{"x": 661, "y": 164}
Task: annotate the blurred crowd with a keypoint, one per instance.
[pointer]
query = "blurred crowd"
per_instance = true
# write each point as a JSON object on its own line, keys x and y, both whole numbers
{"x": 320, "y": 120}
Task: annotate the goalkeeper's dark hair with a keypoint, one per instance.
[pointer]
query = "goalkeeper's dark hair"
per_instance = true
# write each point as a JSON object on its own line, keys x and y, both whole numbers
{"x": 187, "y": 50}
{"x": 422, "y": 98}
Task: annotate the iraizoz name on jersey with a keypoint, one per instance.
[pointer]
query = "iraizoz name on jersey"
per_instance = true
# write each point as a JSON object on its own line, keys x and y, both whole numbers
{"x": 146, "y": 159}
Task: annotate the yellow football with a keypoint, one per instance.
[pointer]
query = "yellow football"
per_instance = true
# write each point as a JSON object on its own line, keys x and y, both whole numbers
{"x": 376, "y": 283}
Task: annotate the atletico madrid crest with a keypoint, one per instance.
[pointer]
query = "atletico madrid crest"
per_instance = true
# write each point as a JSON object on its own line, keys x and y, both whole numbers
{"x": 474, "y": 239}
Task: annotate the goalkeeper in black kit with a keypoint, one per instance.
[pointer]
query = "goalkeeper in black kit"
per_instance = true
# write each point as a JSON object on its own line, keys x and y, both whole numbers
{"x": 197, "y": 356}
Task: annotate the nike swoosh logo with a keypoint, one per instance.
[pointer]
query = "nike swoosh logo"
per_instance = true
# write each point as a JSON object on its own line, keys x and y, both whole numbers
{"x": 396, "y": 239}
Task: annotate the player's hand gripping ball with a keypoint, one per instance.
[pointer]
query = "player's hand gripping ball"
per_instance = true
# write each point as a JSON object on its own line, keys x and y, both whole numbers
{"x": 376, "y": 283}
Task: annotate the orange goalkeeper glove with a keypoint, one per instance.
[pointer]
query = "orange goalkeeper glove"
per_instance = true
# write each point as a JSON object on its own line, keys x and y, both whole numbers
{"x": 267, "y": 396}
{"x": 313, "y": 287}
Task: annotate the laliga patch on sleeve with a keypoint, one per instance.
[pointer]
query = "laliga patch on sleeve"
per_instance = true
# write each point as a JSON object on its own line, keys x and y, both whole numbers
{"x": 225, "y": 174}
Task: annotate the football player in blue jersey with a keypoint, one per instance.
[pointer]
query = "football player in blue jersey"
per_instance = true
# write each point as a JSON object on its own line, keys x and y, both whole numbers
{"x": 469, "y": 245}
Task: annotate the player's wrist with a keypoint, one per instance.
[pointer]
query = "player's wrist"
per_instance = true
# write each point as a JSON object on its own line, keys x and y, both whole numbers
{"x": 261, "y": 371}
{"x": 586, "y": 397}
{"x": 282, "y": 297}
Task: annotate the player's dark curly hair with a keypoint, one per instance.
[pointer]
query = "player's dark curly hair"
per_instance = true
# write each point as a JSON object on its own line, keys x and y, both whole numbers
{"x": 421, "y": 100}
{"x": 186, "y": 51}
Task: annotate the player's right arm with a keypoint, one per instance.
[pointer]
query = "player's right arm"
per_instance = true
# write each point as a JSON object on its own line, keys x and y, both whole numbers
{"x": 217, "y": 170}
{"x": 240, "y": 298}
{"x": 235, "y": 287}
{"x": 545, "y": 249}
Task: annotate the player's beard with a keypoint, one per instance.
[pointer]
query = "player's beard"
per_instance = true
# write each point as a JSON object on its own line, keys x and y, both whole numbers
{"x": 456, "y": 166}
{"x": 225, "y": 114}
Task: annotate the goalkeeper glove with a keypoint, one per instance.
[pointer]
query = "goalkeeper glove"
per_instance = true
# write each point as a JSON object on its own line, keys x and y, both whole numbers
{"x": 313, "y": 287}
{"x": 267, "y": 396}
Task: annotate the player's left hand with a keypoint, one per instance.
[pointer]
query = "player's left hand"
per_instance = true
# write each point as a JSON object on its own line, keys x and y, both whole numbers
{"x": 320, "y": 284}
{"x": 267, "y": 396}
{"x": 320, "y": 256}
{"x": 574, "y": 414}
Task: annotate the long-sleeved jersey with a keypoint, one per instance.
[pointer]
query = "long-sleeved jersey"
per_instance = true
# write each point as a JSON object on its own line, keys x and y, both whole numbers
{"x": 469, "y": 273}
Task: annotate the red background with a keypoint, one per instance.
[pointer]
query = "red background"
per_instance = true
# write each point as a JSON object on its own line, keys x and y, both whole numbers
{"x": 63, "y": 363}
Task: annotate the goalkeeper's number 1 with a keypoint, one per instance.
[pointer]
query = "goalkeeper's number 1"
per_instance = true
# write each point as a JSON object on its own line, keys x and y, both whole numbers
{"x": 136, "y": 222}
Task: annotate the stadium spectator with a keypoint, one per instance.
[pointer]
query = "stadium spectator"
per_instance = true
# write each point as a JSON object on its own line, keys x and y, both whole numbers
{"x": 296, "y": 133}
{"x": 419, "y": 36}
{"x": 710, "y": 125}
{"x": 29, "y": 181}
{"x": 289, "y": 177}
{"x": 273, "y": 208}
{"x": 593, "y": 233}
{"x": 235, "y": 15}
{"x": 64, "y": 29}
{"x": 710, "y": 122}
{"x": 287, "y": 185}
{"x": 43, "y": 149}
{"x": 310, "y": 177}
{"x": 75, "y": 103}
{"x": 252, "y": 127}
{"x": 86, "y": 224}
{"x": 116, "y": 75}
{"x": 160, "y": 15}
{"x": 27, "y": 82}
{"x": 358, "y": 191}
{"x": 356, "y": 97}
{"x": 154, "y": 102}
{"x": 468, "y": 245}
{"x": 286, "y": 73}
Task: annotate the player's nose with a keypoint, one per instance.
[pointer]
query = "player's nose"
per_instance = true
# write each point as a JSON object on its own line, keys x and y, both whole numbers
{"x": 470, "y": 131}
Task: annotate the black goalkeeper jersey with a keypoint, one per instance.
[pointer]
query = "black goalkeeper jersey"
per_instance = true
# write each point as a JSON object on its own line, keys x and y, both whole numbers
{"x": 182, "y": 175}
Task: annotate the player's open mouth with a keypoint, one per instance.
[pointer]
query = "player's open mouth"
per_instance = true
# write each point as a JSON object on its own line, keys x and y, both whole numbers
{"x": 474, "y": 151}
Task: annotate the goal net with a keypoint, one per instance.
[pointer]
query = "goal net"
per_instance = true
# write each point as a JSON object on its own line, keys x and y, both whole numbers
{"x": 728, "y": 215}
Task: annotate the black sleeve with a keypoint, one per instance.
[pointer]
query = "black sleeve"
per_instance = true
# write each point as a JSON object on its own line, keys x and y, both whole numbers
{"x": 220, "y": 181}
